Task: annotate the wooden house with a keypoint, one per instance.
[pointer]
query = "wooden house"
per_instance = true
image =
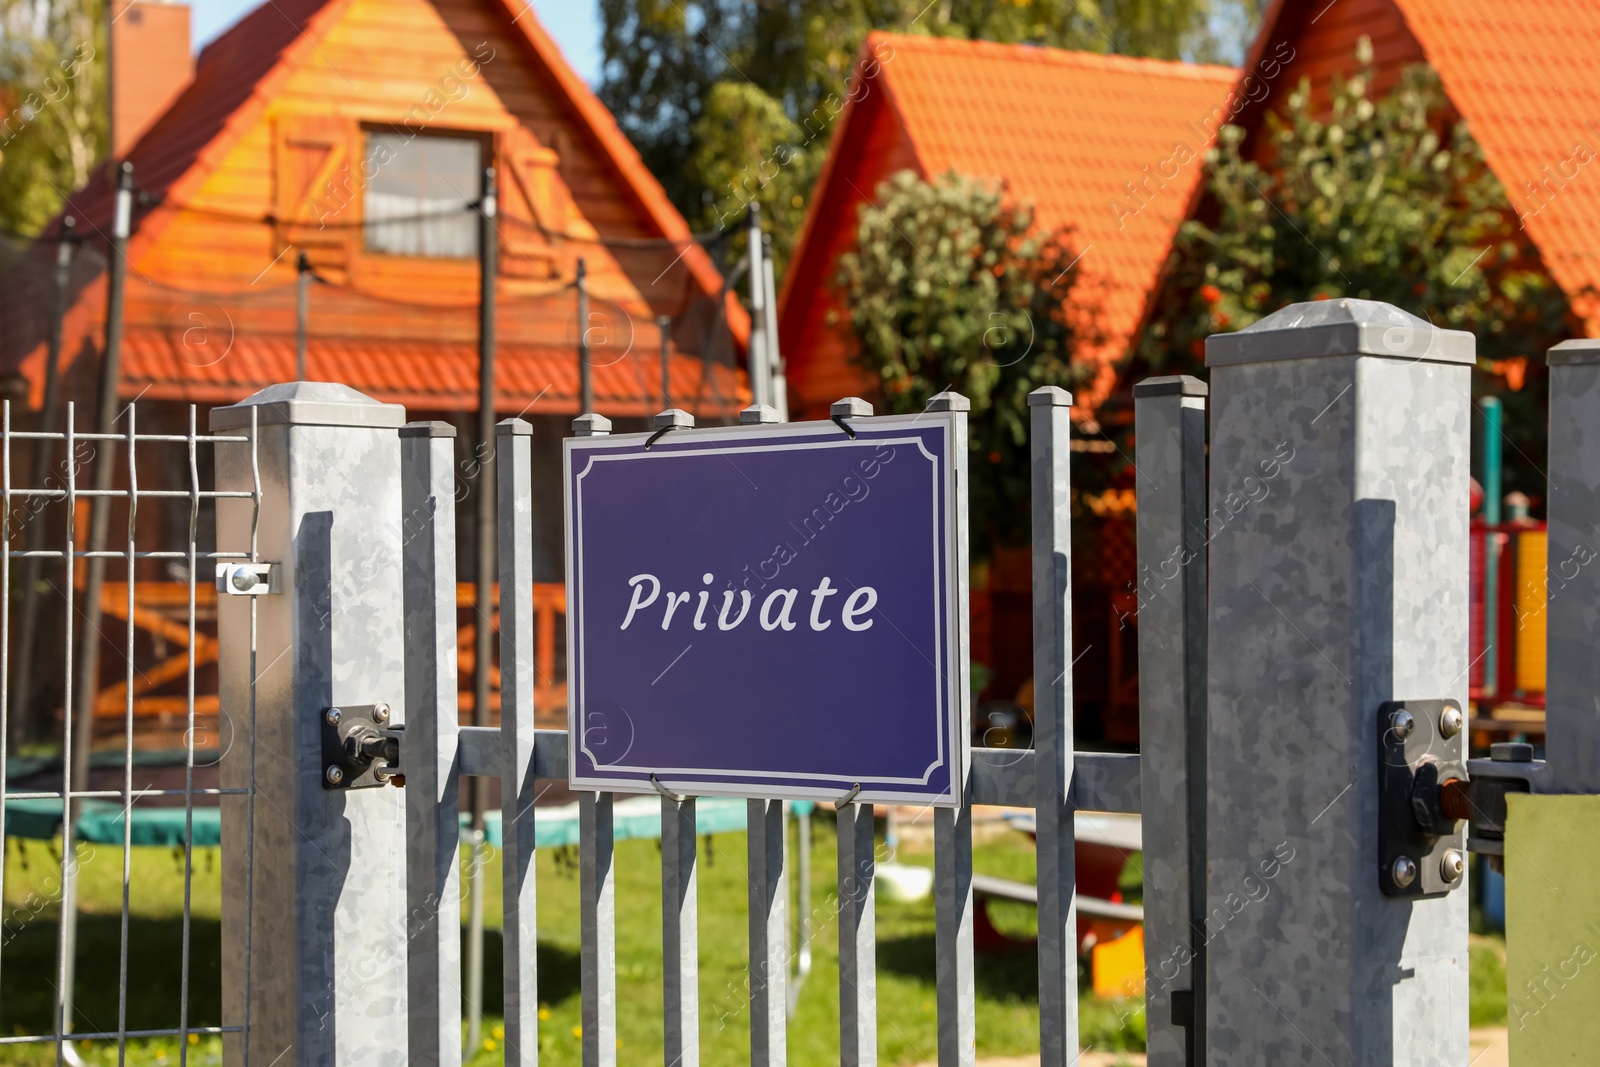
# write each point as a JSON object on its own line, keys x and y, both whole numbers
{"x": 1077, "y": 136}
{"x": 356, "y": 133}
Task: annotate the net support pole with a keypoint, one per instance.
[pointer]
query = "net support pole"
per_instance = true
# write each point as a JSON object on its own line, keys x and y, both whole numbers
{"x": 22, "y": 692}
{"x": 585, "y": 370}
{"x": 485, "y": 563}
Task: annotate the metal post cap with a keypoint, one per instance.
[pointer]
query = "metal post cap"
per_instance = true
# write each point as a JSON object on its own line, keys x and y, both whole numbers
{"x": 1050, "y": 396}
{"x": 758, "y": 415}
{"x": 673, "y": 419}
{"x": 591, "y": 425}
{"x": 849, "y": 408}
{"x": 949, "y": 401}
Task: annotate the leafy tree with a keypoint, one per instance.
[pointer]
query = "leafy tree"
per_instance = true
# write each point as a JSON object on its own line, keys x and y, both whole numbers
{"x": 949, "y": 287}
{"x": 1384, "y": 199}
{"x": 729, "y": 100}
{"x": 52, "y": 90}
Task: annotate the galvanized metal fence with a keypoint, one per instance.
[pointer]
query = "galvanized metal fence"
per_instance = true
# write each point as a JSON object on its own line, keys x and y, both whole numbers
{"x": 1303, "y": 678}
{"x": 51, "y": 505}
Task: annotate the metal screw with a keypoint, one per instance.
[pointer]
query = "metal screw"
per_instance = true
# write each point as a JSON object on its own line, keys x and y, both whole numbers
{"x": 381, "y": 775}
{"x": 1451, "y": 864}
{"x": 380, "y": 713}
{"x": 1404, "y": 871}
{"x": 332, "y": 716}
{"x": 1450, "y": 721}
{"x": 243, "y": 579}
{"x": 1402, "y": 723}
{"x": 334, "y": 774}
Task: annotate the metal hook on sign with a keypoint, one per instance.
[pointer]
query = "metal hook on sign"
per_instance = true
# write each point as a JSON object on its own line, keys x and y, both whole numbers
{"x": 670, "y": 419}
{"x": 659, "y": 788}
{"x": 848, "y": 408}
{"x": 849, "y": 796}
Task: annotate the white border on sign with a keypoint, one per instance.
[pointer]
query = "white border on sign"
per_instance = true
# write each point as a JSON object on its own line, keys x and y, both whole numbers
{"x": 951, "y": 735}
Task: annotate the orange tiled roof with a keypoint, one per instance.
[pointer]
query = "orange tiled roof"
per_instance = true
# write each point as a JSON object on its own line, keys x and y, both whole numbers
{"x": 428, "y": 376}
{"x": 1109, "y": 146}
{"x": 1525, "y": 74}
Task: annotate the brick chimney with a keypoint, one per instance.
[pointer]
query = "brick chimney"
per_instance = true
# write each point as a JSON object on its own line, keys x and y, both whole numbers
{"x": 152, "y": 64}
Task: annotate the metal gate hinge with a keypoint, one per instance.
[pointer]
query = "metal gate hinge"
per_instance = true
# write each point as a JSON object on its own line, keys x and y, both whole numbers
{"x": 1422, "y": 798}
{"x": 247, "y": 579}
{"x": 360, "y": 748}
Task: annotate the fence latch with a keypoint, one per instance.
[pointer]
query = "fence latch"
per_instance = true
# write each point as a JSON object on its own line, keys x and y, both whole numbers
{"x": 360, "y": 749}
{"x": 247, "y": 579}
{"x": 1422, "y": 798}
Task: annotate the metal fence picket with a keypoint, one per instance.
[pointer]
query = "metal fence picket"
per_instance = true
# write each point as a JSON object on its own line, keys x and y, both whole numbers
{"x": 1170, "y": 441}
{"x": 769, "y": 935}
{"x": 858, "y": 970}
{"x": 1049, "y": 417}
{"x": 433, "y": 830}
{"x": 680, "y": 935}
{"x": 520, "y": 927}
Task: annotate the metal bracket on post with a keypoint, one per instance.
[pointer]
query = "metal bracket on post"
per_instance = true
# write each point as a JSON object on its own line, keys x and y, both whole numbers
{"x": 247, "y": 579}
{"x": 360, "y": 750}
{"x": 1422, "y": 798}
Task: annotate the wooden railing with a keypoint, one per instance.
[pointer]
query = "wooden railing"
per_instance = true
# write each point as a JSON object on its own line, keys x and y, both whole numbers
{"x": 162, "y": 648}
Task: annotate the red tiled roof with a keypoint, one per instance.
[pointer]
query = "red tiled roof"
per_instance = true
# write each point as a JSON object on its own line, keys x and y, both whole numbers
{"x": 433, "y": 376}
{"x": 1525, "y": 74}
{"x": 1076, "y": 135}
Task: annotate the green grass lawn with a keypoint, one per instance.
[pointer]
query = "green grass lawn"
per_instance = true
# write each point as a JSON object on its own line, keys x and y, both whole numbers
{"x": 1006, "y": 984}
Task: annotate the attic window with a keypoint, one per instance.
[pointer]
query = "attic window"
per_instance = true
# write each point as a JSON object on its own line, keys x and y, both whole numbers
{"x": 426, "y": 184}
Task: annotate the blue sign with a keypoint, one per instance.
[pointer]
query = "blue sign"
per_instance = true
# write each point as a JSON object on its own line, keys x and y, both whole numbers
{"x": 770, "y": 611}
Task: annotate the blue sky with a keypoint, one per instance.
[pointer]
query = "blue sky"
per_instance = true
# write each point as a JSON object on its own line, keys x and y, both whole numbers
{"x": 575, "y": 24}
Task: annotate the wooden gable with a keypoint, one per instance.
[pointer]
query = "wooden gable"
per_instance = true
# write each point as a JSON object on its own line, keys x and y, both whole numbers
{"x": 287, "y": 163}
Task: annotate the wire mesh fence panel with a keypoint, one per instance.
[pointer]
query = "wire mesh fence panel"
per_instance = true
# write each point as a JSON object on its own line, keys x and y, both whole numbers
{"x": 111, "y": 731}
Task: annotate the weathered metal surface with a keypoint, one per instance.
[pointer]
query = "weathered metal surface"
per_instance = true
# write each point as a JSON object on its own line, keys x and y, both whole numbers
{"x": 1170, "y": 442}
{"x": 1338, "y": 555}
{"x": 1049, "y": 411}
{"x": 324, "y": 889}
{"x": 428, "y": 749}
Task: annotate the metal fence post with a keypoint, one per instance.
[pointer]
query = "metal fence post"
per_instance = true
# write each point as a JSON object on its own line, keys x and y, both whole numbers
{"x": 954, "y": 977}
{"x": 520, "y": 928}
{"x": 433, "y": 830}
{"x": 313, "y": 879}
{"x": 1572, "y": 729}
{"x": 1170, "y": 442}
{"x": 1338, "y": 580}
{"x": 1049, "y": 416}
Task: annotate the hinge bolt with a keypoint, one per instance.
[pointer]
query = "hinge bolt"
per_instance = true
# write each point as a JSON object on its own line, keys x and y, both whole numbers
{"x": 1401, "y": 723}
{"x": 243, "y": 579}
{"x": 380, "y": 713}
{"x": 1450, "y": 721}
{"x": 1451, "y": 865}
{"x": 332, "y": 716}
{"x": 1404, "y": 871}
{"x": 334, "y": 774}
